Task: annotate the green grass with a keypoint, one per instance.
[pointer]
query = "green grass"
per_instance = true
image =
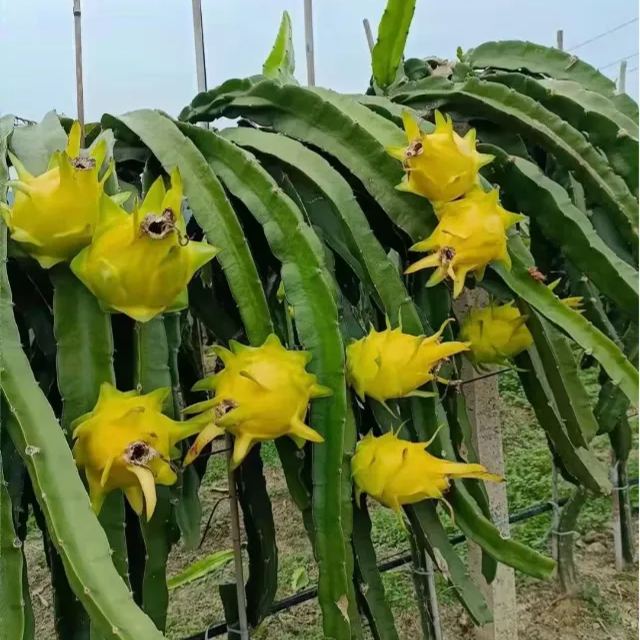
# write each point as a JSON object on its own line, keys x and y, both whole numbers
{"x": 528, "y": 474}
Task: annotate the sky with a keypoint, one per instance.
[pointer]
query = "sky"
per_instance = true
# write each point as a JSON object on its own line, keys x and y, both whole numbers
{"x": 140, "y": 53}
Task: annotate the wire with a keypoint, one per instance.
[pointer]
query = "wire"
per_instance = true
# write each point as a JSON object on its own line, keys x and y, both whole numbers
{"x": 610, "y": 64}
{"x": 602, "y": 35}
{"x": 393, "y": 562}
{"x": 632, "y": 69}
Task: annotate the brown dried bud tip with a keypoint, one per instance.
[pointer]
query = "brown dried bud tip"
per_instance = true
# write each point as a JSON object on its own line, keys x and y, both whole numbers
{"x": 158, "y": 226}
{"x": 83, "y": 163}
{"x": 140, "y": 453}
{"x": 536, "y": 274}
{"x": 414, "y": 149}
{"x": 447, "y": 254}
{"x": 224, "y": 407}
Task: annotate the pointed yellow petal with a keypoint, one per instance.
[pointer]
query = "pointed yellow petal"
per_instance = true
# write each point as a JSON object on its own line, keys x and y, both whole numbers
{"x": 458, "y": 282}
{"x": 98, "y": 151}
{"x": 21, "y": 170}
{"x": 201, "y": 253}
{"x": 155, "y": 399}
{"x": 164, "y": 474}
{"x": 396, "y": 152}
{"x": 241, "y": 446}
{"x": 301, "y": 430}
{"x": 204, "y": 438}
{"x": 411, "y": 128}
{"x": 106, "y": 471}
{"x": 320, "y": 391}
{"x": 135, "y": 498}
{"x": 96, "y": 492}
{"x": 428, "y": 262}
{"x": 73, "y": 144}
{"x": 148, "y": 486}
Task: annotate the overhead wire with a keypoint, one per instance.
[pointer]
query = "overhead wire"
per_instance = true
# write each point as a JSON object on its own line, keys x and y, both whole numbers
{"x": 611, "y": 64}
{"x": 603, "y": 34}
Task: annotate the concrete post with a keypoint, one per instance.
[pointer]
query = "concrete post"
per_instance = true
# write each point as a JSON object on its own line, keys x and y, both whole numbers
{"x": 483, "y": 407}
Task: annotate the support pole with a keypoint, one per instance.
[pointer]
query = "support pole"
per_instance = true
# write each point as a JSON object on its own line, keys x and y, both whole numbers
{"x": 622, "y": 77}
{"x": 368, "y": 33}
{"x": 198, "y": 35}
{"x": 77, "y": 22}
{"x": 560, "y": 39}
{"x": 308, "y": 37}
{"x": 483, "y": 407}
{"x": 237, "y": 544}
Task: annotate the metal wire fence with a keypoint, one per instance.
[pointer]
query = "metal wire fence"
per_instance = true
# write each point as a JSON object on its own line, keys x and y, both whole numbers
{"x": 398, "y": 560}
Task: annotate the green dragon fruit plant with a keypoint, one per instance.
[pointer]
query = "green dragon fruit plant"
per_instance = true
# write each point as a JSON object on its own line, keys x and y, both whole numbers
{"x": 335, "y": 187}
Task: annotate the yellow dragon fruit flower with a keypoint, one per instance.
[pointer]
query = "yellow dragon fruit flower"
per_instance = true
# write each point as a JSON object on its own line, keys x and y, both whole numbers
{"x": 471, "y": 233}
{"x": 396, "y": 472}
{"x": 391, "y": 364}
{"x": 54, "y": 214}
{"x": 262, "y": 393}
{"x": 140, "y": 263}
{"x": 441, "y": 166}
{"x": 495, "y": 333}
{"x": 127, "y": 443}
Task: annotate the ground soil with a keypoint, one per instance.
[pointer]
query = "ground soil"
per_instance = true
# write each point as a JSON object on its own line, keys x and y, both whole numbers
{"x": 604, "y": 608}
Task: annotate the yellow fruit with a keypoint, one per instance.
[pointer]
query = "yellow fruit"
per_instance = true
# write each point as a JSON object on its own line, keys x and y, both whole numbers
{"x": 441, "y": 166}
{"x": 396, "y": 472}
{"x": 391, "y": 364}
{"x": 127, "y": 443}
{"x": 261, "y": 394}
{"x": 54, "y": 215}
{"x": 495, "y": 333}
{"x": 140, "y": 263}
{"x": 471, "y": 233}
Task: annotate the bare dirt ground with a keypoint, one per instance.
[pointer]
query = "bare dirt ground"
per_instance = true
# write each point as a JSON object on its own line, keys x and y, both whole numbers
{"x": 605, "y": 608}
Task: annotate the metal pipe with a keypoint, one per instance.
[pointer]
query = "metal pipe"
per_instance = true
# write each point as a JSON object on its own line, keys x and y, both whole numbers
{"x": 308, "y": 37}
{"x": 198, "y": 35}
{"x": 77, "y": 23}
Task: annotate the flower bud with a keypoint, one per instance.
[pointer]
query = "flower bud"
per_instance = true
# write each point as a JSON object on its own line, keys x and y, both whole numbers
{"x": 391, "y": 364}
{"x": 495, "y": 333}
{"x": 396, "y": 472}
{"x": 127, "y": 443}
{"x": 140, "y": 263}
{"x": 262, "y": 393}
{"x": 54, "y": 214}
{"x": 441, "y": 166}
{"x": 471, "y": 233}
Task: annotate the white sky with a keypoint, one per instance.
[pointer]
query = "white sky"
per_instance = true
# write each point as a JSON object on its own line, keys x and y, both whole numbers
{"x": 139, "y": 53}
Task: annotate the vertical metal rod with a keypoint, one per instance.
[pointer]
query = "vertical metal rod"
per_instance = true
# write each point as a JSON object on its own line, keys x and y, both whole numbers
{"x": 77, "y": 20}
{"x": 237, "y": 546}
{"x": 555, "y": 517}
{"x": 198, "y": 34}
{"x": 308, "y": 37}
{"x": 622, "y": 77}
{"x": 560, "y": 39}
{"x": 368, "y": 33}
{"x": 433, "y": 598}
{"x": 616, "y": 519}
{"x": 234, "y": 512}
